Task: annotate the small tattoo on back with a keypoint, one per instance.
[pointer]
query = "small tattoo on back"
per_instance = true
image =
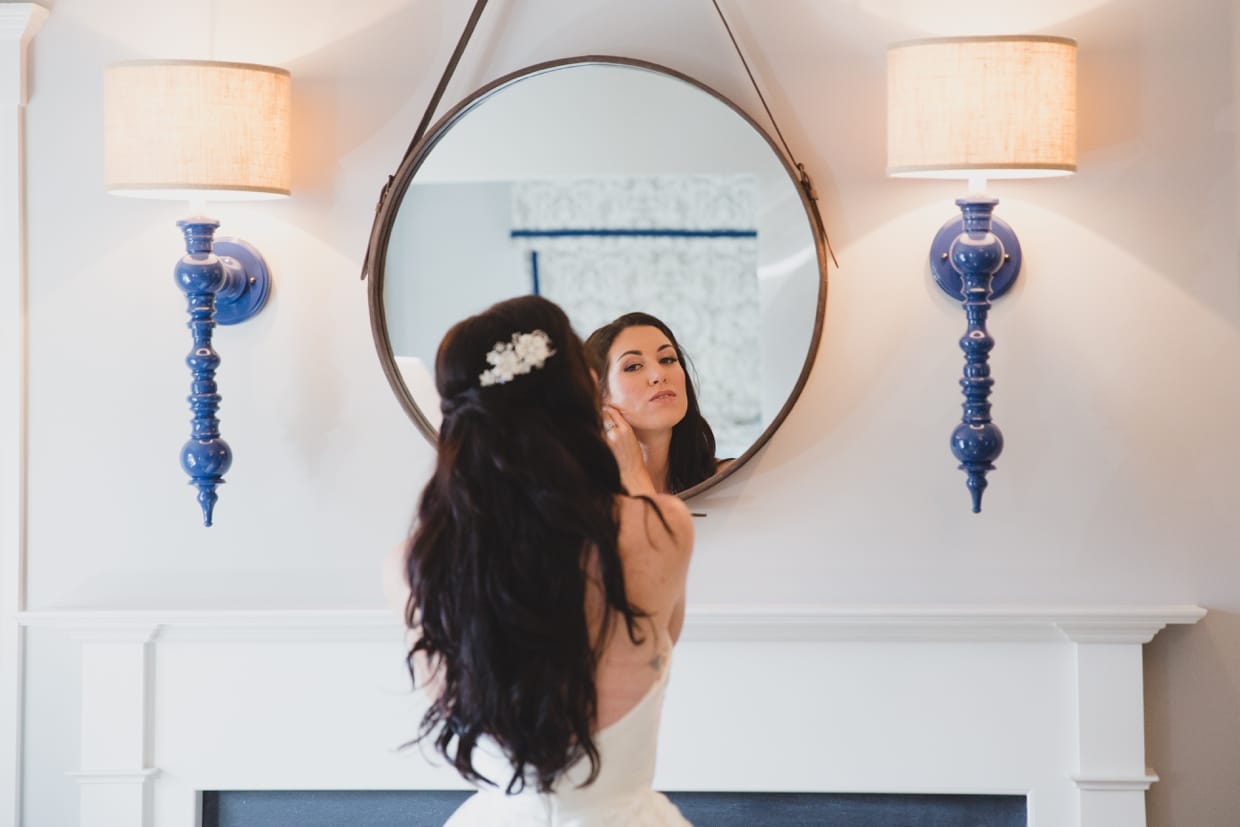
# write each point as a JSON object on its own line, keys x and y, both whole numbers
{"x": 656, "y": 663}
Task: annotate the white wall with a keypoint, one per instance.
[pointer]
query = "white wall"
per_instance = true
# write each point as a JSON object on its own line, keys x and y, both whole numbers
{"x": 1117, "y": 360}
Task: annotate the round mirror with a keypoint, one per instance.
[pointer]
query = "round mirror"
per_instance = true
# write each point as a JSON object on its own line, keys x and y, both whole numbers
{"x": 607, "y": 185}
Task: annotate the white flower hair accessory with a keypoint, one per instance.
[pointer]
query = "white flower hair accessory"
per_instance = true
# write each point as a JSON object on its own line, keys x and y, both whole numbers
{"x": 523, "y": 354}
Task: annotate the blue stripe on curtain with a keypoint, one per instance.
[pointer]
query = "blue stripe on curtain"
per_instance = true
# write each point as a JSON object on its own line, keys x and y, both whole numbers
{"x": 652, "y": 233}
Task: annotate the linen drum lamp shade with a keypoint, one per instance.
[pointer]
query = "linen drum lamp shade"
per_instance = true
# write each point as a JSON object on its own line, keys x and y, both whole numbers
{"x": 993, "y": 107}
{"x": 183, "y": 129}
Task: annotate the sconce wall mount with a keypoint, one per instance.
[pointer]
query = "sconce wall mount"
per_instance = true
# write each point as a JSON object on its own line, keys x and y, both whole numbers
{"x": 947, "y": 270}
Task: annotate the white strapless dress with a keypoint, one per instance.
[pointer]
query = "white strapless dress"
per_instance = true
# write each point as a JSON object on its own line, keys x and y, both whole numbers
{"x": 621, "y": 795}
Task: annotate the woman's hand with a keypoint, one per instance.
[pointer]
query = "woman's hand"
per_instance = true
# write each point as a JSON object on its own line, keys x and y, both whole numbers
{"x": 628, "y": 453}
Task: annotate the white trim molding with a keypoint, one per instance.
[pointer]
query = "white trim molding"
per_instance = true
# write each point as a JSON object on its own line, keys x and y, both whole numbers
{"x": 111, "y": 797}
{"x": 1015, "y": 623}
{"x": 18, "y": 24}
{"x": 114, "y": 776}
{"x": 1116, "y": 782}
{"x": 117, "y": 713}
{"x": 1044, "y": 701}
{"x": 703, "y": 622}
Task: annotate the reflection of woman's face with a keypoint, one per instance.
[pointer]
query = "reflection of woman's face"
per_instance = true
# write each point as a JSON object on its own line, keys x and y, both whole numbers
{"x": 645, "y": 379}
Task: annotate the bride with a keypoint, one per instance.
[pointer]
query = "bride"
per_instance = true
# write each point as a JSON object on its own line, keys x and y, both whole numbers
{"x": 651, "y": 415}
{"x": 542, "y": 602}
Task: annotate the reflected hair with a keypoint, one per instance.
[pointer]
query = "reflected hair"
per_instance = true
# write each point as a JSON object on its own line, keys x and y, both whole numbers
{"x": 691, "y": 456}
{"x": 523, "y": 495}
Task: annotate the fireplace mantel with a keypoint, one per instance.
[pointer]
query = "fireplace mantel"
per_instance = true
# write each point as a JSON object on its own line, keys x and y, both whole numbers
{"x": 1044, "y": 701}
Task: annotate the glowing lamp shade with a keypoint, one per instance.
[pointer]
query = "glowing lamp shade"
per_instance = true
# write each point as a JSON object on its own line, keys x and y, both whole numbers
{"x": 183, "y": 129}
{"x": 982, "y": 107}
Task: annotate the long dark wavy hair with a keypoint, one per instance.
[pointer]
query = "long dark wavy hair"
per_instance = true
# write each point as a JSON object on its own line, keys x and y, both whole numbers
{"x": 524, "y": 492}
{"x": 691, "y": 456}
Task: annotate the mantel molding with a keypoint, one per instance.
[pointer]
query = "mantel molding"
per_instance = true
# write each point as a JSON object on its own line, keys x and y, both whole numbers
{"x": 1040, "y": 670}
{"x": 107, "y": 777}
{"x": 948, "y": 623}
{"x": 1116, "y": 783}
{"x": 703, "y": 622}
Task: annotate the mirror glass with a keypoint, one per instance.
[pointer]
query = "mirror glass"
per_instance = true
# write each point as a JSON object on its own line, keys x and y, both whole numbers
{"x": 608, "y": 187}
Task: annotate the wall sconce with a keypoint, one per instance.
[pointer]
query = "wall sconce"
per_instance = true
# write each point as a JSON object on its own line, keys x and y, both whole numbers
{"x": 978, "y": 108}
{"x": 196, "y": 130}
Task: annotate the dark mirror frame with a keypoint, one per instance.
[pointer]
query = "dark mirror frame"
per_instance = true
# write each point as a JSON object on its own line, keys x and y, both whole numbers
{"x": 399, "y": 183}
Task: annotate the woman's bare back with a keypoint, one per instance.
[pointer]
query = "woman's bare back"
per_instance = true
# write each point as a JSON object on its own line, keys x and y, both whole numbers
{"x": 655, "y": 558}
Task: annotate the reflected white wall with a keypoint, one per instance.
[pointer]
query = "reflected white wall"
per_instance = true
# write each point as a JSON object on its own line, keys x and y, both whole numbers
{"x": 451, "y": 256}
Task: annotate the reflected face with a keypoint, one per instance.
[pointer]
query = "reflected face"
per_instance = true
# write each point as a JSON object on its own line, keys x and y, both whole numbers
{"x": 646, "y": 380}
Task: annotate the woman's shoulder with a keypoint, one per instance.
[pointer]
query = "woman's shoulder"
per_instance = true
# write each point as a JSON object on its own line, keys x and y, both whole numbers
{"x": 656, "y": 544}
{"x": 661, "y": 522}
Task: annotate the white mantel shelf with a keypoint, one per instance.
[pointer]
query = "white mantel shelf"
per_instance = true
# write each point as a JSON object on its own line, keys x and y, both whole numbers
{"x": 1042, "y": 701}
{"x": 703, "y": 622}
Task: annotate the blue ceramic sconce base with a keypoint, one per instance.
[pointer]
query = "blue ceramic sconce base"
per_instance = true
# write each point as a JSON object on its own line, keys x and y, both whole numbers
{"x": 224, "y": 282}
{"x": 970, "y": 256}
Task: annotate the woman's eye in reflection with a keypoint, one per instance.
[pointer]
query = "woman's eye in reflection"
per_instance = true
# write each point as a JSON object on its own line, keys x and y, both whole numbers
{"x": 669, "y": 360}
{"x": 631, "y": 366}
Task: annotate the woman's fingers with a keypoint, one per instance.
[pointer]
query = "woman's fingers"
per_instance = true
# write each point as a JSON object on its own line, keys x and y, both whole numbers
{"x": 612, "y": 419}
{"x": 627, "y": 451}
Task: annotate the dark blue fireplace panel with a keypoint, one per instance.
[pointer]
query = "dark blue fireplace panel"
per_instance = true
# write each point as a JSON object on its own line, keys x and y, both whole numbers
{"x": 422, "y": 808}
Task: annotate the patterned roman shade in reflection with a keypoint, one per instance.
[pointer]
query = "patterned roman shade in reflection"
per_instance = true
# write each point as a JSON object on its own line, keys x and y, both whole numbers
{"x": 682, "y": 248}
